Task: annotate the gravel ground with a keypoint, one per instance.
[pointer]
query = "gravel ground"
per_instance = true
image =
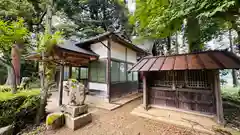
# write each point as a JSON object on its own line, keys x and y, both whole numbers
{"x": 121, "y": 122}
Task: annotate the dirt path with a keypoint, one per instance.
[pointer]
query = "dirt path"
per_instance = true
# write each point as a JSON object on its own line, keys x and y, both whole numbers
{"x": 121, "y": 122}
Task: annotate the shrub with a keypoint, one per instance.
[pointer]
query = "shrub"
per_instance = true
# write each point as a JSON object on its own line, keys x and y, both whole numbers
{"x": 19, "y": 108}
{"x": 5, "y": 88}
{"x": 230, "y": 94}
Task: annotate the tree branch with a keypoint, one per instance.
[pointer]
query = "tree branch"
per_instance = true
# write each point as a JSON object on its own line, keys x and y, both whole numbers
{"x": 41, "y": 19}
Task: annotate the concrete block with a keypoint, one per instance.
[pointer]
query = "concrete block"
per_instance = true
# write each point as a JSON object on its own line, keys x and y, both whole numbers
{"x": 77, "y": 122}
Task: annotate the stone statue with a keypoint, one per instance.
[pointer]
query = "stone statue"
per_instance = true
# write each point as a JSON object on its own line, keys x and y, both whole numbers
{"x": 76, "y": 92}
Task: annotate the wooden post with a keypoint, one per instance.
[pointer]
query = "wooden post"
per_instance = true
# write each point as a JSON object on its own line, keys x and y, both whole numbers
{"x": 70, "y": 72}
{"x": 219, "y": 107}
{"x": 145, "y": 91}
{"x": 61, "y": 84}
{"x": 79, "y": 73}
{"x": 108, "y": 73}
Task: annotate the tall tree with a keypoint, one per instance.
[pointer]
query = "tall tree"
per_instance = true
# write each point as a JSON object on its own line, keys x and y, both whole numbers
{"x": 92, "y": 17}
{"x": 11, "y": 33}
{"x": 163, "y": 18}
{"x": 234, "y": 74}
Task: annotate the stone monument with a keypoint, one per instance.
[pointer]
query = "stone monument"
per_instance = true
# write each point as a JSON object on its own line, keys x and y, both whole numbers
{"x": 76, "y": 112}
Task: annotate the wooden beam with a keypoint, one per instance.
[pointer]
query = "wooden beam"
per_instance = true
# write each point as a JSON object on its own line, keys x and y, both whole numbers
{"x": 61, "y": 85}
{"x": 219, "y": 107}
{"x": 145, "y": 91}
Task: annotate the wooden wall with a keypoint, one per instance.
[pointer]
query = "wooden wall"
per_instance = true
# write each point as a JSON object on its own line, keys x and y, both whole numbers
{"x": 121, "y": 89}
{"x": 185, "y": 94}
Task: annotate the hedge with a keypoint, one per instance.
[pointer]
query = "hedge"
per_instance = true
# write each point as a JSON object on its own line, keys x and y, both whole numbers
{"x": 5, "y": 88}
{"x": 18, "y": 109}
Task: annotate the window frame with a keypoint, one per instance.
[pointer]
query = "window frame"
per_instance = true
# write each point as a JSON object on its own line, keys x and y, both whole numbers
{"x": 98, "y": 65}
{"x": 126, "y": 68}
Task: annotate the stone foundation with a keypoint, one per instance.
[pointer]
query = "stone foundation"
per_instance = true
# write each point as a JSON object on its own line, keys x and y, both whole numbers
{"x": 77, "y": 122}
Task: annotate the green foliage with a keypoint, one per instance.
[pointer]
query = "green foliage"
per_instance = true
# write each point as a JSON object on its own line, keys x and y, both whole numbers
{"x": 204, "y": 19}
{"x": 231, "y": 94}
{"x": 4, "y": 88}
{"x": 11, "y": 33}
{"x": 91, "y": 17}
{"x": 48, "y": 41}
{"x": 18, "y": 108}
{"x": 25, "y": 93}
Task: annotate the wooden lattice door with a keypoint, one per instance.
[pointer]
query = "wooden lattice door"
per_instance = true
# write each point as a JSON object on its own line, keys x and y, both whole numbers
{"x": 192, "y": 91}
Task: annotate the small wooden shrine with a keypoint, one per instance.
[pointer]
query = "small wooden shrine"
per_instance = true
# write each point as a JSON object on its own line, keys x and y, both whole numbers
{"x": 186, "y": 81}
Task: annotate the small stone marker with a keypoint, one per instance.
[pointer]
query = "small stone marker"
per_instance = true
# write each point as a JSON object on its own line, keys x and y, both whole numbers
{"x": 55, "y": 121}
{"x": 76, "y": 112}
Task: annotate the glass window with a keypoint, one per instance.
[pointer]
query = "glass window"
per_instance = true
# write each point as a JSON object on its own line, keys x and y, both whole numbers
{"x": 93, "y": 71}
{"x": 101, "y": 71}
{"x": 130, "y": 74}
{"x": 115, "y": 71}
{"x": 66, "y": 73}
{"x": 97, "y": 71}
{"x": 123, "y": 72}
{"x": 135, "y": 76}
{"x": 74, "y": 72}
{"x": 83, "y": 73}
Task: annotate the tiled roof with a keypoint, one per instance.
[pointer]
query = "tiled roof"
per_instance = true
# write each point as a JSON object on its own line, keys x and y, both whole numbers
{"x": 191, "y": 61}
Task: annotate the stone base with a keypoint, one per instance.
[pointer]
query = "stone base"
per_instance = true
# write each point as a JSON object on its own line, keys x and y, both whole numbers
{"x": 77, "y": 122}
{"x": 75, "y": 111}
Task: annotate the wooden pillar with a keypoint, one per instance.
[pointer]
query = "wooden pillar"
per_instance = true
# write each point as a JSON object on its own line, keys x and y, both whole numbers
{"x": 108, "y": 73}
{"x": 70, "y": 72}
{"x": 60, "y": 91}
{"x": 145, "y": 91}
{"x": 79, "y": 73}
{"x": 217, "y": 91}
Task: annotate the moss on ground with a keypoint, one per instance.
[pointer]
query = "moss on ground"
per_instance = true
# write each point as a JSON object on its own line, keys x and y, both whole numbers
{"x": 52, "y": 118}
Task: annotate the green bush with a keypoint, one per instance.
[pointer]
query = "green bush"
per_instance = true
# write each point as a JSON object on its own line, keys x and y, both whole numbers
{"x": 19, "y": 108}
{"x": 231, "y": 94}
{"x": 5, "y": 88}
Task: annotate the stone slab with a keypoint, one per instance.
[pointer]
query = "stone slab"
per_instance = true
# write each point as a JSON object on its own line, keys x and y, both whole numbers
{"x": 100, "y": 103}
{"x": 75, "y": 111}
{"x": 77, "y": 122}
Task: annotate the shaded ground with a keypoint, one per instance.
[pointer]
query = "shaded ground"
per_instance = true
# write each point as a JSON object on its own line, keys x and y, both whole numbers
{"x": 232, "y": 115}
{"x": 121, "y": 122}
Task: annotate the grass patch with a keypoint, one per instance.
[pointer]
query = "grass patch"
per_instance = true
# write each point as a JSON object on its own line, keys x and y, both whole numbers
{"x": 25, "y": 93}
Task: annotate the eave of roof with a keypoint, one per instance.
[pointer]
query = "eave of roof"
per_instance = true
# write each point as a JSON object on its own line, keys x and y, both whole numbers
{"x": 208, "y": 60}
{"x": 114, "y": 37}
{"x": 74, "y": 48}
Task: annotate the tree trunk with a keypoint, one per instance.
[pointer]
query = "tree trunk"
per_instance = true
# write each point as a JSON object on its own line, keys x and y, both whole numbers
{"x": 193, "y": 34}
{"x": 11, "y": 79}
{"x": 234, "y": 74}
{"x": 44, "y": 92}
{"x": 177, "y": 45}
{"x": 15, "y": 56}
{"x": 169, "y": 44}
{"x": 14, "y": 82}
